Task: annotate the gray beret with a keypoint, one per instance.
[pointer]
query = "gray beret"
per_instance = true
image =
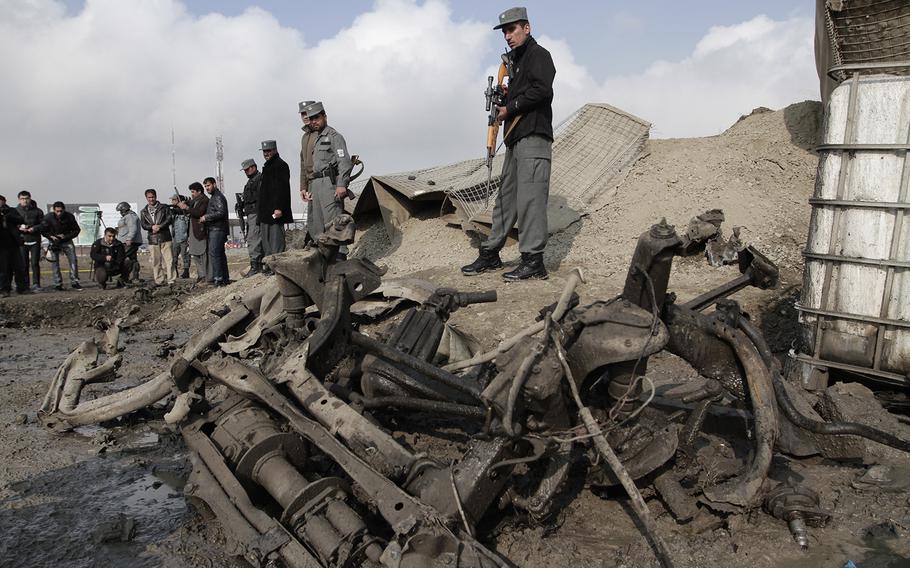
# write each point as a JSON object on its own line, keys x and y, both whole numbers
{"x": 511, "y": 16}
{"x": 314, "y": 109}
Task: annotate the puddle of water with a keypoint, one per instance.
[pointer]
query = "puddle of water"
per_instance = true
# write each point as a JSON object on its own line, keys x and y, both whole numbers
{"x": 152, "y": 494}
{"x": 73, "y": 516}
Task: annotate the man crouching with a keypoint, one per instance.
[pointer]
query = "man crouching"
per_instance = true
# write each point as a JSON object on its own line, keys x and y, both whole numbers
{"x": 109, "y": 257}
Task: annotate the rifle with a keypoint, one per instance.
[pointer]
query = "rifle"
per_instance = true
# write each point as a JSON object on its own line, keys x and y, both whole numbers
{"x": 241, "y": 216}
{"x": 496, "y": 97}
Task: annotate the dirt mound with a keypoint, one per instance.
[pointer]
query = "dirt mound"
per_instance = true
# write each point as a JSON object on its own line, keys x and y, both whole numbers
{"x": 760, "y": 171}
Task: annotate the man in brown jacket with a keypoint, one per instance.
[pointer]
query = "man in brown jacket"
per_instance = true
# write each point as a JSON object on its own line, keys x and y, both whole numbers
{"x": 198, "y": 235}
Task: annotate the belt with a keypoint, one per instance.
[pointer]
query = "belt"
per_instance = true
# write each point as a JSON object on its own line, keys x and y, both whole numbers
{"x": 318, "y": 175}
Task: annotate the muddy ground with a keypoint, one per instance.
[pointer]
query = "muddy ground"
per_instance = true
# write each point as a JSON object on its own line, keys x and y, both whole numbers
{"x": 112, "y": 495}
{"x": 71, "y": 499}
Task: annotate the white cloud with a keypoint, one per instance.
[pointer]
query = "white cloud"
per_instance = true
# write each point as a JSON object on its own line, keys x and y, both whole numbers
{"x": 731, "y": 70}
{"x": 89, "y": 99}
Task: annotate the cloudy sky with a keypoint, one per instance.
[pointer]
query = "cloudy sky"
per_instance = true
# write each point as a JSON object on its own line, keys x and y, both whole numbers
{"x": 92, "y": 88}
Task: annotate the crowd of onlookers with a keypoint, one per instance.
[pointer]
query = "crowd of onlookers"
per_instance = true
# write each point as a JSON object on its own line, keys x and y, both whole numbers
{"x": 191, "y": 228}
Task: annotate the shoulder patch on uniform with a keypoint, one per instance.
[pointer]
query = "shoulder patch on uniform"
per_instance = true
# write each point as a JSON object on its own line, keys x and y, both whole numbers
{"x": 340, "y": 152}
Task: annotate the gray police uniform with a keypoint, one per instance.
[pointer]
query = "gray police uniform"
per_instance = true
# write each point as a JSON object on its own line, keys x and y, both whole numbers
{"x": 523, "y": 196}
{"x": 307, "y": 144}
{"x": 253, "y": 234}
{"x": 331, "y": 168}
{"x": 528, "y": 135}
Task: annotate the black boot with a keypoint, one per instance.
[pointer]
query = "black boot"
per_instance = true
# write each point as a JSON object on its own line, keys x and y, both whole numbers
{"x": 531, "y": 267}
{"x": 486, "y": 260}
{"x": 255, "y": 268}
{"x": 185, "y": 273}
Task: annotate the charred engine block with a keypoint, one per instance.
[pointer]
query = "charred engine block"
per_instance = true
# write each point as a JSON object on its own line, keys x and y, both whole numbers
{"x": 275, "y": 468}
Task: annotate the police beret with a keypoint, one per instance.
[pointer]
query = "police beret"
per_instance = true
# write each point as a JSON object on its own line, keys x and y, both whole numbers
{"x": 511, "y": 16}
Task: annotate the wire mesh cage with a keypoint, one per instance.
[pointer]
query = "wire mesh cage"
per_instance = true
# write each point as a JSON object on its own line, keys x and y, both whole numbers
{"x": 869, "y": 31}
{"x": 591, "y": 151}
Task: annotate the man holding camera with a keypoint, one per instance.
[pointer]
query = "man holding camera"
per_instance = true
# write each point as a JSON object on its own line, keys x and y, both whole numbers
{"x": 109, "y": 257}
{"x": 198, "y": 240}
{"x": 60, "y": 229}
{"x": 156, "y": 219}
{"x": 181, "y": 233}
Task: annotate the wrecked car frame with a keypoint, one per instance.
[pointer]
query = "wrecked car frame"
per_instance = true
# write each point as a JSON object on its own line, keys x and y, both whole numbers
{"x": 300, "y": 468}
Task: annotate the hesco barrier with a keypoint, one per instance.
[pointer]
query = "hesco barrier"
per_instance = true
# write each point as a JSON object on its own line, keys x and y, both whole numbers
{"x": 855, "y": 307}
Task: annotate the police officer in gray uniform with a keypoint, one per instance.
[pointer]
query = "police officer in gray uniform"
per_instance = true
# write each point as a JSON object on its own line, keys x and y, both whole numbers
{"x": 307, "y": 142}
{"x": 250, "y": 205}
{"x": 527, "y": 119}
{"x": 328, "y": 184}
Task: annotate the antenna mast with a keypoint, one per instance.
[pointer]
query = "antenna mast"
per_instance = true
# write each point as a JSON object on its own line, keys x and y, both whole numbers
{"x": 174, "y": 161}
{"x": 219, "y": 162}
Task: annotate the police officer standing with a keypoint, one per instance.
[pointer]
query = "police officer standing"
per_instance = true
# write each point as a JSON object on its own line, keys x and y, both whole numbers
{"x": 328, "y": 184}
{"x": 274, "y": 209}
{"x": 250, "y": 205}
{"x": 527, "y": 119}
{"x": 307, "y": 141}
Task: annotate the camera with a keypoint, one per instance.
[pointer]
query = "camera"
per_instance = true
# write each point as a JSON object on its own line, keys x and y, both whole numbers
{"x": 175, "y": 210}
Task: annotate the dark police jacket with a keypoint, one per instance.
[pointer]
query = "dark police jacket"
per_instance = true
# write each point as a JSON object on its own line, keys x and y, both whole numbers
{"x": 530, "y": 92}
{"x": 251, "y": 194}
{"x": 65, "y": 225}
{"x": 101, "y": 249}
{"x": 216, "y": 214}
{"x": 10, "y": 237}
{"x": 275, "y": 192}
{"x": 32, "y": 216}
